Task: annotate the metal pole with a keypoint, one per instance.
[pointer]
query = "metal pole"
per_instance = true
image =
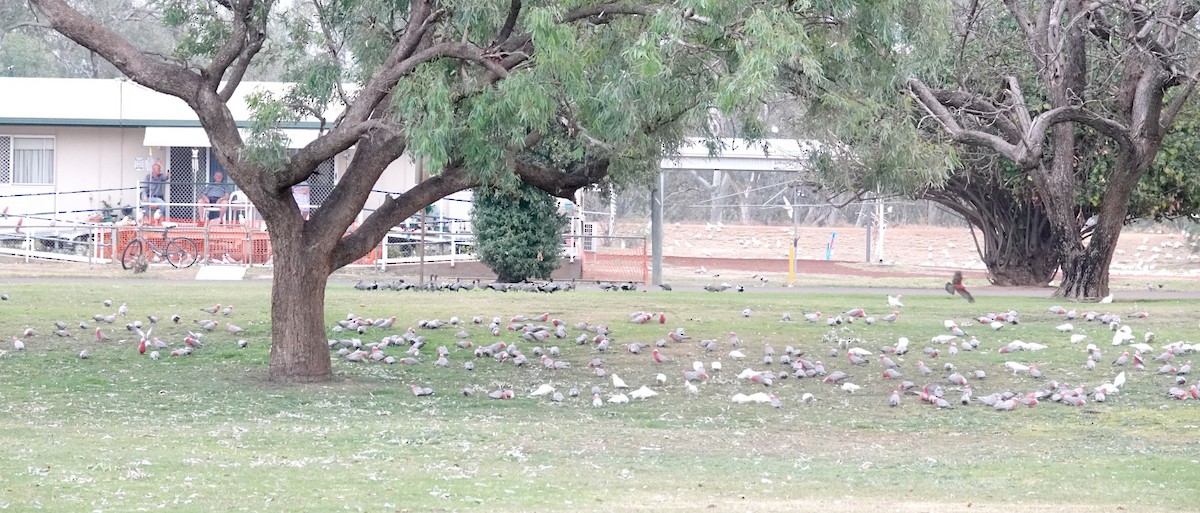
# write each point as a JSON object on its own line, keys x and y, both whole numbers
{"x": 795, "y": 237}
{"x": 870, "y": 229}
{"x": 207, "y": 239}
{"x": 612, "y": 211}
{"x": 882, "y": 225}
{"x": 421, "y": 249}
{"x": 656, "y": 230}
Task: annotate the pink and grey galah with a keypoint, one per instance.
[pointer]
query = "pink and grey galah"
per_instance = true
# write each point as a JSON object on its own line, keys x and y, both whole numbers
{"x": 658, "y": 357}
{"x": 836, "y": 377}
{"x": 420, "y": 391}
{"x": 1006, "y": 405}
{"x": 763, "y": 378}
{"x": 923, "y": 369}
{"x": 1122, "y": 360}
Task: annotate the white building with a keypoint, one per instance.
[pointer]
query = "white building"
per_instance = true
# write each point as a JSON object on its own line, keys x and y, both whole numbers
{"x": 71, "y": 147}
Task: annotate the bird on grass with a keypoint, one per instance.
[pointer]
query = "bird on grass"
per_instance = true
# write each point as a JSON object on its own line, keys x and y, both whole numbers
{"x": 955, "y": 286}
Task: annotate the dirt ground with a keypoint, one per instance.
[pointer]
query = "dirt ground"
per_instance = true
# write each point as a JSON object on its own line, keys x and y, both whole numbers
{"x": 1158, "y": 251}
{"x": 915, "y": 251}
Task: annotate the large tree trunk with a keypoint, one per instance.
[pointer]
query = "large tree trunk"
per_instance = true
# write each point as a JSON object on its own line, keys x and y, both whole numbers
{"x": 1020, "y": 269}
{"x": 1021, "y": 254}
{"x": 1085, "y": 275}
{"x": 1018, "y": 247}
{"x": 1085, "y": 268}
{"x": 299, "y": 351}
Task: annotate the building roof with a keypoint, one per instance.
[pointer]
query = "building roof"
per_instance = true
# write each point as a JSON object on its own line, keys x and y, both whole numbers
{"x": 111, "y": 102}
{"x": 731, "y": 154}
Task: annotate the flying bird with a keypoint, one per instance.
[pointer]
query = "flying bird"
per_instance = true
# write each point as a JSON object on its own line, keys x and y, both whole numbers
{"x": 955, "y": 286}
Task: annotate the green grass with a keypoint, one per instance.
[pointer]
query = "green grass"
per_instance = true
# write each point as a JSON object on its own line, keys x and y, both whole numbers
{"x": 119, "y": 432}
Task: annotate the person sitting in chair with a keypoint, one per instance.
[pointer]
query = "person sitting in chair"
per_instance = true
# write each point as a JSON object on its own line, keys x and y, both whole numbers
{"x": 154, "y": 189}
{"x": 215, "y": 193}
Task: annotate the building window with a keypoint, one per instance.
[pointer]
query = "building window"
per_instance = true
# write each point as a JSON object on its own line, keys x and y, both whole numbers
{"x": 26, "y": 160}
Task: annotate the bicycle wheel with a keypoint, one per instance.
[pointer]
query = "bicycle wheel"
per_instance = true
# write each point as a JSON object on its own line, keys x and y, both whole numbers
{"x": 131, "y": 253}
{"x": 182, "y": 253}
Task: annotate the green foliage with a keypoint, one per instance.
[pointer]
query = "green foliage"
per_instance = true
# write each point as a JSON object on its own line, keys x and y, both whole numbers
{"x": 1171, "y": 189}
{"x": 22, "y": 55}
{"x": 518, "y": 233}
{"x": 626, "y": 86}
{"x": 850, "y": 91}
{"x": 266, "y": 145}
{"x": 200, "y": 28}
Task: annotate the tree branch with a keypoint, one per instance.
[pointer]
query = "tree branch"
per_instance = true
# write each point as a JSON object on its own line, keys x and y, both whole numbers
{"x": 398, "y": 208}
{"x": 514, "y": 10}
{"x": 1031, "y": 31}
{"x": 254, "y": 44}
{"x": 160, "y": 76}
{"x": 935, "y": 108}
{"x": 1171, "y": 112}
{"x": 332, "y": 47}
{"x": 559, "y": 184}
{"x": 420, "y": 19}
{"x": 1019, "y": 104}
{"x": 1109, "y": 127}
{"x": 981, "y": 108}
{"x": 229, "y": 52}
{"x": 604, "y": 11}
{"x": 23, "y": 24}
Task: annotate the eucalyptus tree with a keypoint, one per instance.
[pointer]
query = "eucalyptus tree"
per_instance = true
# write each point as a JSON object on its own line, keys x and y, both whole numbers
{"x": 474, "y": 89}
{"x": 1081, "y": 115}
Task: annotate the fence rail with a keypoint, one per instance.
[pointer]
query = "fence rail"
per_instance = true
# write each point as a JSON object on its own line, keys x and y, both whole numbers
{"x": 611, "y": 258}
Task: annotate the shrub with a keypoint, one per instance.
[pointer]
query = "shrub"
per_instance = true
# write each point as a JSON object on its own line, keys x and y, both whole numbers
{"x": 518, "y": 232}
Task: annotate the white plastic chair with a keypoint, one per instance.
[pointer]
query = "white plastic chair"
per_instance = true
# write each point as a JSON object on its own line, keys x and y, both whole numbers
{"x": 239, "y": 204}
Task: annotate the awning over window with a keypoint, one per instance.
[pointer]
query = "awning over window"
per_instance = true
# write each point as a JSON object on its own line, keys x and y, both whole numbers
{"x": 194, "y": 137}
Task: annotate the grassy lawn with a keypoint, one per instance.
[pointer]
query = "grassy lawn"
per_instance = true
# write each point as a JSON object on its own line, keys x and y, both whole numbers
{"x": 120, "y": 432}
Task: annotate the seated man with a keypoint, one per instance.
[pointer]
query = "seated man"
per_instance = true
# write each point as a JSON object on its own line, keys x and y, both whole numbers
{"x": 215, "y": 193}
{"x": 154, "y": 189}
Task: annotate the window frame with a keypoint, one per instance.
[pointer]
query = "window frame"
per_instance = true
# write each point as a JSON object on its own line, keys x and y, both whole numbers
{"x": 12, "y": 165}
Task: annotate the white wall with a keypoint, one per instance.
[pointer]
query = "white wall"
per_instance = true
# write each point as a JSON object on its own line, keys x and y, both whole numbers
{"x": 86, "y": 158}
